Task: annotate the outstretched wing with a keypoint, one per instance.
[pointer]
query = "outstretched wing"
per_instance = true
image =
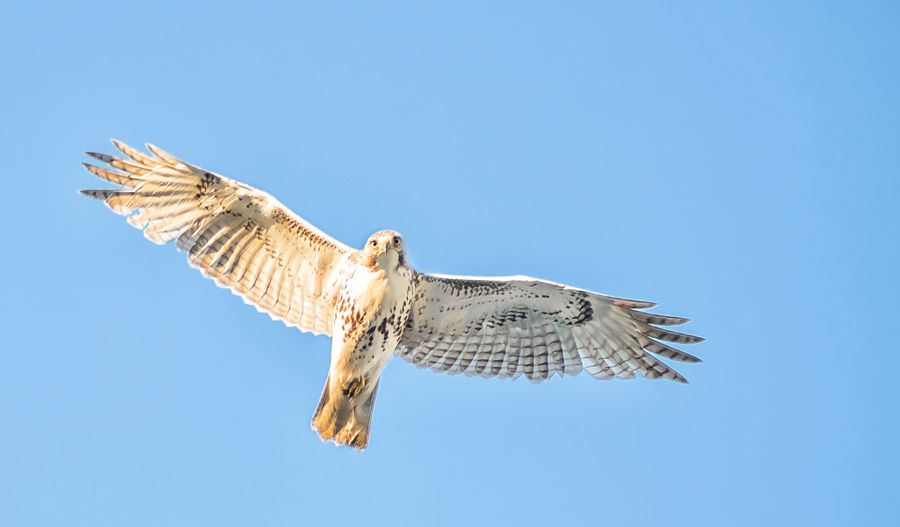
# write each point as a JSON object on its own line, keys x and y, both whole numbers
{"x": 510, "y": 326}
{"x": 239, "y": 236}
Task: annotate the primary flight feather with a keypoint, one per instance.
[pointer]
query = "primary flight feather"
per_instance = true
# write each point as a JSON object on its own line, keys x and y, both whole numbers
{"x": 372, "y": 303}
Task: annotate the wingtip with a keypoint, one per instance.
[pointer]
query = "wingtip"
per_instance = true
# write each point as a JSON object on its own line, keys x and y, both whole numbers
{"x": 154, "y": 150}
{"x": 100, "y": 194}
{"x": 95, "y": 170}
{"x": 679, "y": 378}
{"x": 632, "y": 304}
{"x": 164, "y": 156}
{"x": 120, "y": 146}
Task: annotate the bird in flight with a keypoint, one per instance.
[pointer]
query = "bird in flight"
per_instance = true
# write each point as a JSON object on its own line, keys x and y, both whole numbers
{"x": 372, "y": 302}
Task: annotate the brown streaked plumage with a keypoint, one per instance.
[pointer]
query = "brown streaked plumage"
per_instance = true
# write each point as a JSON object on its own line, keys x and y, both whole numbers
{"x": 372, "y": 302}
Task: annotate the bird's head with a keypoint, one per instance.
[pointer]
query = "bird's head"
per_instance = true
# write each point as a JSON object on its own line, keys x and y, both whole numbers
{"x": 386, "y": 249}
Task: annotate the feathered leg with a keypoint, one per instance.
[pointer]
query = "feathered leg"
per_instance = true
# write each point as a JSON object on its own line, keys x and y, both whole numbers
{"x": 344, "y": 414}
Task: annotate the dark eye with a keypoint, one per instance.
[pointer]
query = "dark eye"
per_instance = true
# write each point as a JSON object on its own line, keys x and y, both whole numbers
{"x": 373, "y": 243}
{"x": 396, "y": 241}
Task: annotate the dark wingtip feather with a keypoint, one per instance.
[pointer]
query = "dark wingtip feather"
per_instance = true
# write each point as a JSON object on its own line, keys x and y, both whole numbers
{"x": 100, "y": 194}
{"x": 654, "y": 346}
{"x": 669, "y": 336}
{"x": 689, "y": 359}
{"x": 95, "y": 155}
{"x": 136, "y": 155}
{"x": 679, "y": 378}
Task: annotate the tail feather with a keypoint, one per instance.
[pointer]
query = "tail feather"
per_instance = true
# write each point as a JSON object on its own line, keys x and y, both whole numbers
{"x": 345, "y": 418}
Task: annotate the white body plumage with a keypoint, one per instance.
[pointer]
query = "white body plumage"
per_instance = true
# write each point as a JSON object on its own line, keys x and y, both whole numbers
{"x": 371, "y": 312}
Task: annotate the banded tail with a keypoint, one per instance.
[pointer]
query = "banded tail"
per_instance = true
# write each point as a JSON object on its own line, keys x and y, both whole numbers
{"x": 344, "y": 414}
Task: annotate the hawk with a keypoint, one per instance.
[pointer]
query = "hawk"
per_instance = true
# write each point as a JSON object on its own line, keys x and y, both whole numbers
{"x": 372, "y": 302}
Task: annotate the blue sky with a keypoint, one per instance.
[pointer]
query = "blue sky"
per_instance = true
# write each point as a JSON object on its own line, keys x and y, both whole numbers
{"x": 735, "y": 162}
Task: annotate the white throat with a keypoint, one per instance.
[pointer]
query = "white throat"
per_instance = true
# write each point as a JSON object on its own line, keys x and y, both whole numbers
{"x": 388, "y": 260}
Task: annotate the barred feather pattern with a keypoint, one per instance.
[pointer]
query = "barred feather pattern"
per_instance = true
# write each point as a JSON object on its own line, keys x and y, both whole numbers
{"x": 239, "y": 236}
{"x": 512, "y": 326}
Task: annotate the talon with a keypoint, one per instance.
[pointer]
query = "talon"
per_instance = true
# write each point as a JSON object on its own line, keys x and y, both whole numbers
{"x": 353, "y": 387}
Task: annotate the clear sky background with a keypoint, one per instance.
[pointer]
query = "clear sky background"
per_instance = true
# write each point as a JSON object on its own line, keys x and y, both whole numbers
{"x": 734, "y": 161}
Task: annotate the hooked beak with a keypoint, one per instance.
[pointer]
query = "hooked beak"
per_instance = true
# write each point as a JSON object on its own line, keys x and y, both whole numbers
{"x": 385, "y": 247}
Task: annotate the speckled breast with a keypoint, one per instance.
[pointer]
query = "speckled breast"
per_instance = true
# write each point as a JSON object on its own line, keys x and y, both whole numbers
{"x": 371, "y": 313}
